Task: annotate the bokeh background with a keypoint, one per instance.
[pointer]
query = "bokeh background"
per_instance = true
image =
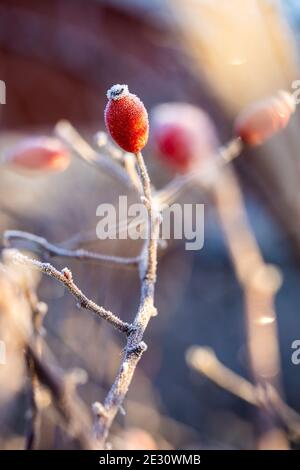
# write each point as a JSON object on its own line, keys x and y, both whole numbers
{"x": 57, "y": 59}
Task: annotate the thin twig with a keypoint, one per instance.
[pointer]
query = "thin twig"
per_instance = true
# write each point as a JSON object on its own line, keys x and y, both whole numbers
{"x": 41, "y": 244}
{"x": 204, "y": 361}
{"x": 260, "y": 284}
{"x": 70, "y": 137}
{"x": 104, "y": 415}
{"x": 125, "y": 158}
{"x": 38, "y": 311}
{"x": 65, "y": 276}
{"x": 64, "y": 398}
{"x": 206, "y": 173}
{"x": 103, "y": 142}
{"x": 129, "y": 165}
{"x": 19, "y": 302}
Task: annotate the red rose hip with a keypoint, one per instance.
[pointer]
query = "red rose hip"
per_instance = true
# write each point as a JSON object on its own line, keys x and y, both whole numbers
{"x": 184, "y": 135}
{"x": 260, "y": 121}
{"x": 38, "y": 154}
{"x": 126, "y": 119}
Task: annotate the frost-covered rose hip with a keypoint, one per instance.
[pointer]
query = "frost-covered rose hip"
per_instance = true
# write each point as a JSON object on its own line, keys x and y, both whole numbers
{"x": 184, "y": 135}
{"x": 38, "y": 153}
{"x": 126, "y": 119}
{"x": 260, "y": 121}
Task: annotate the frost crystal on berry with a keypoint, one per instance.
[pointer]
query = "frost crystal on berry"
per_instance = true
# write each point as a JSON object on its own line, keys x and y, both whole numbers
{"x": 117, "y": 91}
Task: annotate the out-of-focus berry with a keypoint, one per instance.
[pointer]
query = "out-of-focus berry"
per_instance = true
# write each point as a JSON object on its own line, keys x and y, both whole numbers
{"x": 39, "y": 154}
{"x": 184, "y": 135}
{"x": 260, "y": 121}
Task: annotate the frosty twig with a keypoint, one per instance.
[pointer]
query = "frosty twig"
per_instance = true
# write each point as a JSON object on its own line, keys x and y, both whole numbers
{"x": 135, "y": 347}
{"x": 42, "y": 245}
{"x": 65, "y": 276}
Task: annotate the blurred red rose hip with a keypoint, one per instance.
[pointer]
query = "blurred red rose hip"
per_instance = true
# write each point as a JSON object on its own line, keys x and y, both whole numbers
{"x": 260, "y": 121}
{"x": 184, "y": 135}
{"x": 126, "y": 119}
{"x": 39, "y": 154}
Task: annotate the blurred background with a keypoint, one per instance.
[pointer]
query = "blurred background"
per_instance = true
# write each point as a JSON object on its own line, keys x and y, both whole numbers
{"x": 57, "y": 59}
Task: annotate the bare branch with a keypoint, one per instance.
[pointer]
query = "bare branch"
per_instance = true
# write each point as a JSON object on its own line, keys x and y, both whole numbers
{"x": 65, "y": 276}
{"x": 259, "y": 283}
{"x": 19, "y": 299}
{"x": 129, "y": 165}
{"x": 38, "y": 311}
{"x": 65, "y": 400}
{"x": 103, "y": 142}
{"x": 53, "y": 250}
{"x": 204, "y": 361}
{"x": 206, "y": 174}
{"x": 69, "y": 135}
